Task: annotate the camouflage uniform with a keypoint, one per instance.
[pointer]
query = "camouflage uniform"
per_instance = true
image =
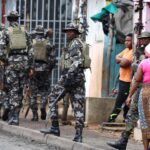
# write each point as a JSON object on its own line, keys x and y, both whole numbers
{"x": 67, "y": 98}
{"x": 72, "y": 80}
{"x": 2, "y": 67}
{"x": 18, "y": 63}
{"x": 132, "y": 116}
{"x": 40, "y": 83}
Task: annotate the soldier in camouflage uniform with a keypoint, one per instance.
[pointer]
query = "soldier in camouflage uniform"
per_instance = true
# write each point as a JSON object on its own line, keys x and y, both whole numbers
{"x": 73, "y": 81}
{"x": 2, "y": 67}
{"x": 44, "y": 62}
{"x": 20, "y": 58}
{"x": 132, "y": 116}
{"x": 66, "y": 99}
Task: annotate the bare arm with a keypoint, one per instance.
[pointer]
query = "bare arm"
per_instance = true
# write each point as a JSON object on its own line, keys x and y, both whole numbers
{"x": 118, "y": 58}
{"x": 139, "y": 75}
{"x": 133, "y": 88}
{"x": 135, "y": 82}
{"x": 123, "y": 62}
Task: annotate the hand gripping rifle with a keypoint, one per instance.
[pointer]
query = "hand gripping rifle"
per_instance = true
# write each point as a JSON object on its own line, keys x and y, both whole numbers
{"x": 53, "y": 104}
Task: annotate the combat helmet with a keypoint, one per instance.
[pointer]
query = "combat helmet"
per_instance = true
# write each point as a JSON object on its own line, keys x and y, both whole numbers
{"x": 13, "y": 14}
{"x": 72, "y": 26}
{"x": 144, "y": 35}
{"x": 39, "y": 29}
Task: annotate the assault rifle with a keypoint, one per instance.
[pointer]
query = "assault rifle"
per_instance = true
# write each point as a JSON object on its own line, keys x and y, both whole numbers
{"x": 26, "y": 98}
{"x": 27, "y": 91}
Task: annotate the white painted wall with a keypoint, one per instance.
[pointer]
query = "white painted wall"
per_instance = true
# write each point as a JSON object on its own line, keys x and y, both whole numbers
{"x": 146, "y": 16}
{"x": 95, "y": 39}
{"x": 95, "y": 29}
{"x": 10, "y": 5}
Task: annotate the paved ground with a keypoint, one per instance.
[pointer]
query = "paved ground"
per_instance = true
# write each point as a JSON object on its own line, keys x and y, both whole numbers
{"x": 11, "y": 142}
{"x": 92, "y": 135}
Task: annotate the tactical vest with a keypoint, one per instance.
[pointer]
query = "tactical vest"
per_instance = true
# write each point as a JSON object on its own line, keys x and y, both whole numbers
{"x": 40, "y": 50}
{"x": 17, "y": 38}
{"x": 85, "y": 54}
{"x": 65, "y": 60}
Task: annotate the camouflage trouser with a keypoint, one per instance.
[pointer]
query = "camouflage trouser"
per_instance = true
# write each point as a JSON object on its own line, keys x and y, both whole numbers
{"x": 1, "y": 76}
{"x": 1, "y": 84}
{"x": 133, "y": 116}
{"x": 14, "y": 83}
{"x": 78, "y": 100}
{"x": 40, "y": 86}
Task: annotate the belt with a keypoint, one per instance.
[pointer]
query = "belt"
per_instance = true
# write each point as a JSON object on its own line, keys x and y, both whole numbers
{"x": 24, "y": 54}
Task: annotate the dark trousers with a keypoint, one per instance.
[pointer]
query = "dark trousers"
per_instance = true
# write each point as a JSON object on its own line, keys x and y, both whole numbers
{"x": 120, "y": 100}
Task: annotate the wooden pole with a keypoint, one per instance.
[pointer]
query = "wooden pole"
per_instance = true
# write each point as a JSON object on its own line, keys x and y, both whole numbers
{"x": 108, "y": 59}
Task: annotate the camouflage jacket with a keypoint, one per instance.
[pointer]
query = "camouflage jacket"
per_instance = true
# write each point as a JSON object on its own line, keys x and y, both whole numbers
{"x": 16, "y": 59}
{"x": 2, "y": 49}
{"x": 75, "y": 71}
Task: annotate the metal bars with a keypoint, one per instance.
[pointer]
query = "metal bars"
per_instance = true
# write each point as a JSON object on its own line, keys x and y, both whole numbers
{"x": 55, "y": 14}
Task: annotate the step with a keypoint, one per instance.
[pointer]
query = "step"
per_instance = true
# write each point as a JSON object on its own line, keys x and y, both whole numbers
{"x": 114, "y": 129}
{"x": 113, "y": 124}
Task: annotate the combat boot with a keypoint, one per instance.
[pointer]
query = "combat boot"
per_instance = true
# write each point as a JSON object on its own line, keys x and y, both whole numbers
{"x": 54, "y": 129}
{"x": 121, "y": 144}
{"x": 43, "y": 113}
{"x": 78, "y": 135}
{"x": 5, "y": 114}
{"x": 14, "y": 118}
{"x": 35, "y": 115}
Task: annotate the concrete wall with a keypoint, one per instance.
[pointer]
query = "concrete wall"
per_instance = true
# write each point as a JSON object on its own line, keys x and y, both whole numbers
{"x": 98, "y": 109}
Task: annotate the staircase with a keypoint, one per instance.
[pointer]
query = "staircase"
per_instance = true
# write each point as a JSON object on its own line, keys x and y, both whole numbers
{"x": 114, "y": 126}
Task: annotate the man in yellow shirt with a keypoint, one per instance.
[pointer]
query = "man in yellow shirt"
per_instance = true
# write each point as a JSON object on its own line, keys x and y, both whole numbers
{"x": 124, "y": 59}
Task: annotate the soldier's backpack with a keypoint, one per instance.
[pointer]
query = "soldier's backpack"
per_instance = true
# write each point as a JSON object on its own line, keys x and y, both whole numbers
{"x": 17, "y": 38}
{"x": 40, "y": 50}
{"x": 85, "y": 54}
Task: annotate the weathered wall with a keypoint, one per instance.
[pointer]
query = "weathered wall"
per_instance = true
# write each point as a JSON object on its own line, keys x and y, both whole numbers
{"x": 95, "y": 39}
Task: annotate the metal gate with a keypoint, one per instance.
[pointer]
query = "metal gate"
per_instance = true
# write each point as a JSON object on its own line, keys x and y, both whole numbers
{"x": 53, "y": 14}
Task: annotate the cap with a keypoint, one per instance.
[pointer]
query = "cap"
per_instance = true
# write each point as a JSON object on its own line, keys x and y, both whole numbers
{"x": 72, "y": 26}
{"x": 144, "y": 35}
{"x": 13, "y": 14}
{"x": 39, "y": 29}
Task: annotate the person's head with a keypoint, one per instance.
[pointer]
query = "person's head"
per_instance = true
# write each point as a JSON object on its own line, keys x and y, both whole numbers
{"x": 128, "y": 40}
{"x": 72, "y": 31}
{"x": 147, "y": 51}
{"x": 39, "y": 31}
{"x": 49, "y": 33}
{"x": 13, "y": 16}
{"x": 142, "y": 42}
{"x": 143, "y": 39}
